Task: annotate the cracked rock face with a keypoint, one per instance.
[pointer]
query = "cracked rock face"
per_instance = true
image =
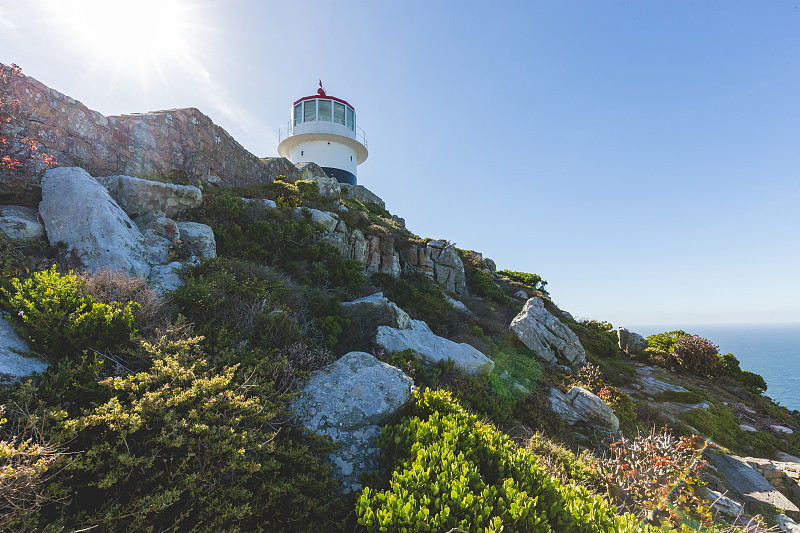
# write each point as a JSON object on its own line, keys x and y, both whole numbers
{"x": 348, "y": 400}
{"x": 546, "y": 335}
{"x": 20, "y": 222}
{"x": 139, "y": 197}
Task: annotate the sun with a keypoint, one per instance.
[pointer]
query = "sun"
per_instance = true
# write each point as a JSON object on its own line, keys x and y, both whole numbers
{"x": 136, "y": 33}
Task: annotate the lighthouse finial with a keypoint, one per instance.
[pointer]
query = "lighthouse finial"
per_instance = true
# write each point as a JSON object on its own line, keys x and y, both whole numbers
{"x": 321, "y": 91}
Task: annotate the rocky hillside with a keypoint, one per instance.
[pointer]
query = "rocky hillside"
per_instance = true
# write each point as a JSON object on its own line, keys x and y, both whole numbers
{"x": 193, "y": 338}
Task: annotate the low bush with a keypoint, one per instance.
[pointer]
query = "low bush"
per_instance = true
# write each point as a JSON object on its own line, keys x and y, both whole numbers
{"x": 698, "y": 356}
{"x": 450, "y": 470}
{"x": 654, "y": 476}
{"x": 521, "y": 365}
{"x": 598, "y": 338}
{"x": 186, "y": 446}
{"x": 49, "y": 311}
{"x": 533, "y": 282}
{"x": 482, "y": 284}
{"x": 563, "y": 464}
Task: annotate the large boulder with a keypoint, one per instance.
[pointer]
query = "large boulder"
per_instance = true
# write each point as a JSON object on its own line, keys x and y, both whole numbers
{"x": 580, "y": 405}
{"x": 380, "y": 308}
{"x": 348, "y": 400}
{"x": 546, "y": 335}
{"x": 630, "y": 342}
{"x": 139, "y": 197}
{"x": 166, "y": 278}
{"x": 20, "y": 222}
{"x": 432, "y": 348}
{"x": 198, "y": 238}
{"x": 747, "y": 484}
{"x": 14, "y": 366}
{"x": 78, "y": 211}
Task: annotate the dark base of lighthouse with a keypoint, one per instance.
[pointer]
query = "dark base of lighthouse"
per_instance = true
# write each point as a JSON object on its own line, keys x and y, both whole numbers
{"x": 342, "y": 176}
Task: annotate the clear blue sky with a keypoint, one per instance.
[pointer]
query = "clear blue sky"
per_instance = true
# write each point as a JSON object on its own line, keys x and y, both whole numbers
{"x": 643, "y": 157}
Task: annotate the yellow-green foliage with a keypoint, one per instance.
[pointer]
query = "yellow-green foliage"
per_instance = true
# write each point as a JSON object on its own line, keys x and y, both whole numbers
{"x": 451, "y": 470}
{"x": 533, "y": 282}
{"x": 183, "y": 446}
{"x": 59, "y": 321}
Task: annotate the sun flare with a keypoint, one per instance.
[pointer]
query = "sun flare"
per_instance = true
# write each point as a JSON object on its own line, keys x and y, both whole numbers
{"x": 140, "y": 32}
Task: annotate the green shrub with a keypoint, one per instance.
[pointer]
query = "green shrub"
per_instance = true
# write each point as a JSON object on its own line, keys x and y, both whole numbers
{"x": 184, "y": 446}
{"x": 450, "y": 470}
{"x": 50, "y": 311}
{"x": 522, "y": 365}
{"x": 482, "y": 284}
{"x": 534, "y": 282}
{"x": 563, "y": 464}
{"x": 719, "y": 423}
{"x": 752, "y": 381}
{"x": 597, "y": 338}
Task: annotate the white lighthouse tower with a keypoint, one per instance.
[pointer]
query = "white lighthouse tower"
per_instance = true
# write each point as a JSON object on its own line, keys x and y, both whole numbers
{"x": 323, "y": 130}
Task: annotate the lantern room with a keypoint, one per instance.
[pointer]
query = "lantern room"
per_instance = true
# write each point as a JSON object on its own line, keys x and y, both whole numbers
{"x": 323, "y": 130}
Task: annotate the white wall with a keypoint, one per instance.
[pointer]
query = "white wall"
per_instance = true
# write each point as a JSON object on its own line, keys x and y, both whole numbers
{"x": 325, "y": 154}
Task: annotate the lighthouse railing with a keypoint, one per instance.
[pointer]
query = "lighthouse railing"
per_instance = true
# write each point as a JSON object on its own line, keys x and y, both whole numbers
{"x": 320, "y": 126}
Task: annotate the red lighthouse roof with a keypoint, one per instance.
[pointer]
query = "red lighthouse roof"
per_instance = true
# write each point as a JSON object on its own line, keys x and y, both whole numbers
{"x": 321, "y": 94}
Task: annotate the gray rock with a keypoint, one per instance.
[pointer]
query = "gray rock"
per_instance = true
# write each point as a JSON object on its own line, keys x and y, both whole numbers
{"x": 14, "y": 366}
{"x": 362, "y": 194}
{"x": 723, "y": 504}
{"x": 546, "y": 335}
{"x": 156, "y": 248}
{"x": 166, "y": 278}
{"x": 458, "y": 304}
{"x": 325, "y": 219}
{"x": 378, "y": 305}
{"x": 490, "y": 264}
{"x": 787, "y": 524}
{"x": 782, "y": 429}
{"x": 745, "y": 427}
{"x": 348, "y": 400}
{"x": 649, "y": 384}
{"x": 262, "y": 202}
{"x": 432, "y": 348}
{"x": 579, "y": 405}
{"x": 78, "y": 211}
{"x": 522, "y": 295}
{"x": 748, "y": 484}
{"x": 20, "y": 222}
{"x": 139, "y": 197}
{"x": 440, "y": 261}
{"x": 198, "y": 238}
{"x": 630, "y": 342}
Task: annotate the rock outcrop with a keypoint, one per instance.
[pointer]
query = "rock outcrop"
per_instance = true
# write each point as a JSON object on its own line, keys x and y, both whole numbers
{"x": 749, "y": 485}
{"x": 178, "y": 140}
{"x": 78, "y": 211}
{"x": 631, "y": 343}
{"x": 440, "y": 261}
{"x": 20, "y": 222}
{"x": 431, "y": 348}
{"x": 580, "y": 405}
{"x": 546, "y": 335}
{"x": 198, "y": 238}
{"x": 363, "y": 195}
{"x": 379, "y": 307}
{"x": 14, "y": 366}
{"x": 141, "y": 198}
{"x": 348, "y": 400}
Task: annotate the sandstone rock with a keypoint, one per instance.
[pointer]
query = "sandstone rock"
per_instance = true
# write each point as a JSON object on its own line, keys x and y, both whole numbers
{"x": 139, "y": 198}
{"x": 362, "y": 194}
{"x": 166, "y": 278}
{"x": 20, "y": 222}
{"x": 630, "y": 342}
{"x": 723, "y": 504}
{"x": 13, "y": 366}
{"x": 199, "y": 238}
{"x": 78, "y": 211}
{"x": 440, "y": 261}
{"x": 432, "y": 348}
{"x": 579, "y": 405}
{"x": 161, "y": 226}
{"x": 348, "y": 400}
{"x": 749, "y": 484}
{"x": 546, "y": 335}
{"x": 378, "y": 305}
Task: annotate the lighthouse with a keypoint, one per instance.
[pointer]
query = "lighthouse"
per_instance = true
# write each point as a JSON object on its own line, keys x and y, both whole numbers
{"x": 322, "y": 129}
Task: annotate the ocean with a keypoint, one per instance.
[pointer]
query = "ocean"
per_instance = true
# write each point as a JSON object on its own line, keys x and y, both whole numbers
{"x": 772, "y": 350}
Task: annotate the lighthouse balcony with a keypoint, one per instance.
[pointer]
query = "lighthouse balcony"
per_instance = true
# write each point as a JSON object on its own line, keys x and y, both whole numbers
{"x": 322, "y": 127}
